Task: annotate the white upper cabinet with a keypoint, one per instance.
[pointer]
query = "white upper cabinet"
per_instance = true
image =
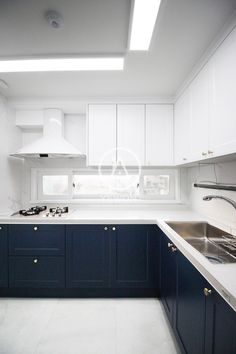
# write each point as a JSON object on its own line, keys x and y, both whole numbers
{"x": 159, "y": 135}
{"x": 208, "y": 108}
{"x": 199, "y": 121}
{"x": 101, "y": 134}
{"x": 182, "y": 128}
{"x": 131, "y": 134}
{"x": 222, "y": 128}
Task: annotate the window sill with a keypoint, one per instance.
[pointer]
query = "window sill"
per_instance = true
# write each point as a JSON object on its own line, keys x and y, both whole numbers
{"x": 109, "y": 201}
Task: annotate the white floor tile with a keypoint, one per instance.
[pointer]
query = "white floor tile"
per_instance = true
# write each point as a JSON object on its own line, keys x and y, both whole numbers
{"x": 75, "y": 326}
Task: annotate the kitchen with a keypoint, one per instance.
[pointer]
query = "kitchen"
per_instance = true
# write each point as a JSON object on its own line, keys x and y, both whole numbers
{"x": 118, "y": 170}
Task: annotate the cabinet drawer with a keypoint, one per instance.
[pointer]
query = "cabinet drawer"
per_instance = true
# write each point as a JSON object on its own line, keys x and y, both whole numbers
{"x": 37, "y": 240}
{"x": 36, "y": 272}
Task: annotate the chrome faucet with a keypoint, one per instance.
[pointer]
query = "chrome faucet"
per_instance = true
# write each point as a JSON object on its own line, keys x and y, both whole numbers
{"x": 210, "y": 197}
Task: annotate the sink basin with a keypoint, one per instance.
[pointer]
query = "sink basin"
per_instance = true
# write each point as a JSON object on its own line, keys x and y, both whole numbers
{"x": 215, "y": 244}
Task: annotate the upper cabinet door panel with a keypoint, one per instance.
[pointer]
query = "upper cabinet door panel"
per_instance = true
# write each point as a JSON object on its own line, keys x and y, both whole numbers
{"x": 182, "y": 128}
{"x": 159, "y": 135}
{"x": 199, "y": 124}
{"x": 223, "y": 98}
{"x": 130, "y": 134}
{"x": 101, "y": 134}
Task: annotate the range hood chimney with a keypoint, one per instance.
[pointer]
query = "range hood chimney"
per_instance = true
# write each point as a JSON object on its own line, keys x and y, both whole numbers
{"x": 52, "y": 144}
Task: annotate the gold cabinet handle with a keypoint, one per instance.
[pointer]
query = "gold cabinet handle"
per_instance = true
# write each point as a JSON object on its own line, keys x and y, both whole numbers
{"x": 35, "y": 261}
{"x": 207, "y": 291}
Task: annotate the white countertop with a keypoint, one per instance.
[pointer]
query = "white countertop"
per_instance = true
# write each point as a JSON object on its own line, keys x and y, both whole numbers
{"x": 221, "y": 276}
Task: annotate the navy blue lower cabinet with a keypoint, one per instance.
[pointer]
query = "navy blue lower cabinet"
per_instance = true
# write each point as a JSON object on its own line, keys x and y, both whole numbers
{"x": 26, "y": 240}
{"x": 36, "y": 272}
{"x": 220, "y": 325}
{"x": 190, "y": 307}
{"x": 168, "y": 277}
{"x": 3, "y": 256}
{"x": 134, "y": 256}
{"x": 87, "y": 252}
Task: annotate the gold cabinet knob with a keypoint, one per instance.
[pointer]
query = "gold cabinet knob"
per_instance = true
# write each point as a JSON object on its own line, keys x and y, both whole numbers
{"x": 113, "y": 229}
{"x": 207, "y": 291}
{"x": 35, "y": 228}
{"x": 35, "y": 261}
{"x": 105, "y": 228}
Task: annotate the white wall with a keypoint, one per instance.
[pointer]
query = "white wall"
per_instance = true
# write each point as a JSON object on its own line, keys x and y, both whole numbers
{"x": 220, "y": 211}
{"x": 10, "y": 168}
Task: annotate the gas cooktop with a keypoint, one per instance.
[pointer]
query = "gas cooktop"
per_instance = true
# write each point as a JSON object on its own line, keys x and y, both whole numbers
{"x": 43, "y": 211}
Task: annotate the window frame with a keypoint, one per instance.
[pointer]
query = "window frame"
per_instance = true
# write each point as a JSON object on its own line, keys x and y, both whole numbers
{"x": 161, "y": 171}
{"x": 38, "y": 196}
{"x": 39, "y": 173}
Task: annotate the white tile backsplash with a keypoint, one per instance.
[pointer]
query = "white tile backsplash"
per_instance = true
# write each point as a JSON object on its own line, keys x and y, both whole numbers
{"x": 218, "y": 210}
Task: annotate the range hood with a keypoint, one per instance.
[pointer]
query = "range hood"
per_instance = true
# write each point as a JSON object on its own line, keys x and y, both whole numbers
{"x": 52, "y": 144}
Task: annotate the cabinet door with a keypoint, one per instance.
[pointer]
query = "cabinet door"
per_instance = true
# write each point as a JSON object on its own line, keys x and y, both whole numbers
{"x": 159, "y": 135}
{"x": 220, "y": 326}
{"x": 168, "y": 277}
{"x": 199, "y": 125}
{"x": 37, "y": 240}
{"x": 190, "y": 307}
{"x": 182, "y": 128}
{"x": 87, "y": 256}
{"x": 3, "y": 256}
{"x": 133, "y": 263}
{"x": 130, "y": 134}
{"x": 36, "y": 272}
{"x": 222, "y": 103}
{"x": 101, "y": 135}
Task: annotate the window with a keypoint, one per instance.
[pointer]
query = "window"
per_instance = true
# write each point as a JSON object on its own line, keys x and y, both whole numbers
{"x": 156, "y": 184}
{"x": 160, "y": 184}
{"x": 55, "y": 185}
{"x": 47, "y": 185}
{"x": 106, "y": 185}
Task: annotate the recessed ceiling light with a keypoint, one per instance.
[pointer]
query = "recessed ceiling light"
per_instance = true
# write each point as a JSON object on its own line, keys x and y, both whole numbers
{"x": 67, "y": 64}
{"x": 143, "y": 22}
{"x": 55, "y": 20}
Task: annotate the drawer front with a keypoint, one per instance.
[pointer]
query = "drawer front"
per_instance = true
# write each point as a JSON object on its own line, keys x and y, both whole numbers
{"x": 37, "y": 272}
{"x": 37, "y": 240}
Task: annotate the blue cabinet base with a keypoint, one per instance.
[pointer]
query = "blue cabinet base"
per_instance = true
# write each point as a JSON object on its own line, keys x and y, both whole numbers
{"x": 80, "y": 292}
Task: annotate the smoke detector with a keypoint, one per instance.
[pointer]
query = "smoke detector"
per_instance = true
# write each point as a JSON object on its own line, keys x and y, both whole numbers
{"x": 54, "y": 19}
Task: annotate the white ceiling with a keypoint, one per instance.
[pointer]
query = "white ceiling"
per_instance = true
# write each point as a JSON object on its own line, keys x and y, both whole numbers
{"x": 184, "y": 30}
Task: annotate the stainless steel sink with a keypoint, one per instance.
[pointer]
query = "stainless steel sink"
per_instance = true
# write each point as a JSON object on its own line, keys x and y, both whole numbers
{"x": 215, "y": 244}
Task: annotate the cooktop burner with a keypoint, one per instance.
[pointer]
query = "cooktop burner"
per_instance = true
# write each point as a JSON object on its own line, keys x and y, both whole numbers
{"x": 32, "y": 211}
{"x": 59, "y": 210}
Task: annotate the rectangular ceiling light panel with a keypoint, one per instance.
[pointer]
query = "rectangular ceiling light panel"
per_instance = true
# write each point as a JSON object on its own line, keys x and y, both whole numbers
{"x": 67, "y": 64}
{"x": 143, "y": 23}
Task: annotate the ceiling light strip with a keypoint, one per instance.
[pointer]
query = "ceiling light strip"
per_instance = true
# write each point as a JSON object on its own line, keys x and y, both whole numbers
{"x": 143, "y": 23}
{"x": 67, "y": 64}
